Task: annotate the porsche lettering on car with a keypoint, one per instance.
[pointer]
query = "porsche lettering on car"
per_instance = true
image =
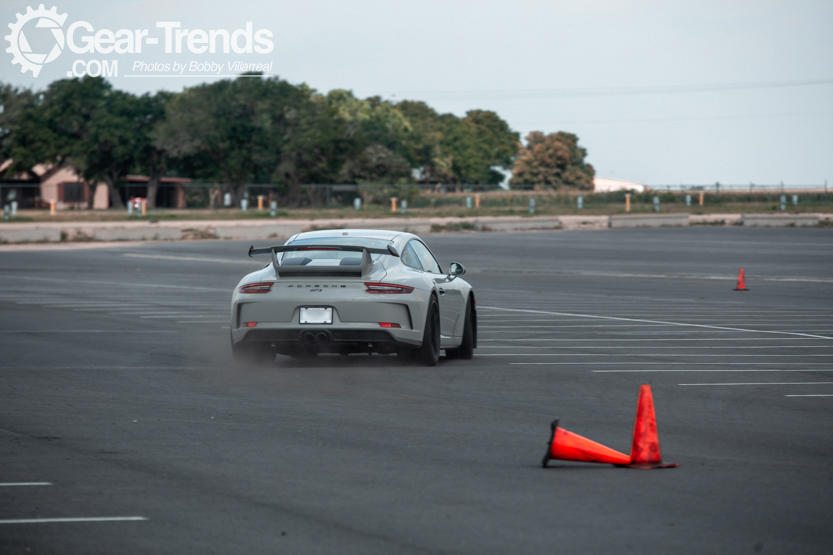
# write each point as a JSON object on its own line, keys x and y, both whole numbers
{"x": 353, "y": 291}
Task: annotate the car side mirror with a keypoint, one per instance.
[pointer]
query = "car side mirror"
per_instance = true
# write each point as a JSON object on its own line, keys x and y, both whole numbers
{"x": 456, "y": 269}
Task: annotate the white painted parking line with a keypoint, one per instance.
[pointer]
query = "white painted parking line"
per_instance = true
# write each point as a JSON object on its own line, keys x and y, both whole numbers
{"x": 479, "y": 327}
{"x": 203, "y": 321}
{"x": 78, "y": 519}
{"x": 635, "y": 356}
{"x": 653, "y": 322}
{"x": 653, "y": 348}
{"x": 661, "y": 339}
{"x": 727, "y": 315}
{"x": 184, "y": 311}
{"x": 181, "y": 315}
{"x": 187, "y": 288}
{"x": 675, "y": 363}
{"x": 9, "y": 484}
{"x": 85, "y": 305}
{"x": 757, "y": 321}
{"x": 215, "y": 259}
{"x": 760, "y": 383}
{"x": 659, "y": 276}
{"x": 84, "y": 331}
{"x": 613, "y": 332}
{"x": 713, "y": 370}
{"x": 113, "y": 368}
{"x": 818, "y": 395}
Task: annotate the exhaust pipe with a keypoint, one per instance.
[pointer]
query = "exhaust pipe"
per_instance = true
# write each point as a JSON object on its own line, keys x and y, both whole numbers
{"x": 309, "y": 337}
{"x": 322, "y": 337}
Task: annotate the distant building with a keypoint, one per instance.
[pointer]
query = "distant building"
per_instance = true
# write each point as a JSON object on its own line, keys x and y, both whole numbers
{"x": 44, "y": 184}
{"x": 170, "y": 194}
{"x": 607, "y": 185}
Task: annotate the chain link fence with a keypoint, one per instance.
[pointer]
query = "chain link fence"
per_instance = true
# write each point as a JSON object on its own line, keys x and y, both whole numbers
{"x": 426, "y": 196}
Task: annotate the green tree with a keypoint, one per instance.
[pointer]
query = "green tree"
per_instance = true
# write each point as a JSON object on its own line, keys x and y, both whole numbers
{"x": 315, "y": 142}
{"x": 114, "y": 138}
{"x": 151, "y": 158}
{"x": 82, "y": 123}
{"x": 375, "y": 136}
{"x": 423, "y": 149}
{"x": 238, "y": 124}
{"x": 476, "y": 144}
{"x": 13, "y": 103}
{"x": 376, "y": 164}
{"x": 554, "y": 159}
{"x": 449, "y": 149}
{"x": 499, "y": 142}
{"x": 51, "y": 129}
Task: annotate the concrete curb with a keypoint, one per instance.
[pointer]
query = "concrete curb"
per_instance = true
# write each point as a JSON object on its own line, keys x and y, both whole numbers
{"x": 53, "y": 232}
{"x": 715, "y": 219}
{"x": 649, "y": 220}
{"x": 252, "y": 229}
{"x": 780, "y": 220}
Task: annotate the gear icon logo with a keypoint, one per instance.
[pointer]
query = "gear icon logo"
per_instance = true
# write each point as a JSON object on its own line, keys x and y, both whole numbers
{"x": 19, "y": 46}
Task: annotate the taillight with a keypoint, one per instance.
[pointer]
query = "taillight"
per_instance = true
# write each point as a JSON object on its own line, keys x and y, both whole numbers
{"x": 249, "y": 324}
{"x": 389, "y": 325}
{"x": 387, "y": 288}
{"x": 257, "y": 287}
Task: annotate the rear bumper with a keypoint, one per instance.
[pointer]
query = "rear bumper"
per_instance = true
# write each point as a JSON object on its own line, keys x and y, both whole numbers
{"x": 321, "y": 339}
{"x": 356, "y": 317}
{"x": 332, "y": 336}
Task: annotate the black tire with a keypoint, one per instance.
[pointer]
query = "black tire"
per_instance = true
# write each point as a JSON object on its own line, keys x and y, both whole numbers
{"x": 466, "y": 349}
{"x": 252, "y": 354}
{"x": 429, "y": 353}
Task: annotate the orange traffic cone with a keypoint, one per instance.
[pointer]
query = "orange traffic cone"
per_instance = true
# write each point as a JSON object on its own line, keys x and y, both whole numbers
{"x": 741, "y": 282}
{"x": 568, "y": 446}
{"x": 645, "y": 451}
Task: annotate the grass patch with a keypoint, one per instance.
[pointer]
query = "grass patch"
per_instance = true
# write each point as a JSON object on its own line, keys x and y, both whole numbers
{"x": 191, "y": 233}
{"x": 456, "y": 226}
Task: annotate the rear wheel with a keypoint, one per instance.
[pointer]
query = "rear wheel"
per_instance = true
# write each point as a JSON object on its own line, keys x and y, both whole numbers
{"x": 429, "y": 353}
{"x": 466, "y": 349}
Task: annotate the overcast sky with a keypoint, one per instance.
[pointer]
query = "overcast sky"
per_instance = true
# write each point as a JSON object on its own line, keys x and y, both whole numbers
{"x": 634, "y": 80}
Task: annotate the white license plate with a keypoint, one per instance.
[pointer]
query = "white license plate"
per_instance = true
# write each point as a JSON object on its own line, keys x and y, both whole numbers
{"x": 316, "y": 315}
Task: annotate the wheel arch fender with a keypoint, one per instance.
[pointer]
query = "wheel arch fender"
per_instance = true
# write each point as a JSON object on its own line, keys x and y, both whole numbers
{"x": 473, "y": 305}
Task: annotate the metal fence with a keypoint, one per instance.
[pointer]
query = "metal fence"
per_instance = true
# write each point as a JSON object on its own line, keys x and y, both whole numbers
{"x": 213, "y": 195}
{"x": 743, "y": 187}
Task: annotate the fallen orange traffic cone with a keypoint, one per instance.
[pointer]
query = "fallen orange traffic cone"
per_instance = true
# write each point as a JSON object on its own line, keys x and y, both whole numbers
{"x": 645, "y": 451}
{"x": 741, "y": 282}
{"x": 568, "y": 446}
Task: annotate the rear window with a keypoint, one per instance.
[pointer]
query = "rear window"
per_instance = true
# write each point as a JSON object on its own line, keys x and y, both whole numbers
{"x": 303, "y": 256}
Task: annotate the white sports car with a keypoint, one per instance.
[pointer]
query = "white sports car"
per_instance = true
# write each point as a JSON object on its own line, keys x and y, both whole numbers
{"x": 353, "y": 291}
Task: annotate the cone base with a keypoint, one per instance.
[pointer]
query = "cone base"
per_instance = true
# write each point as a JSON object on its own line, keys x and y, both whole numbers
{"x": 648, "y": 466}
{"x": 740, "y": 289}
{"x": 547, "y": 456}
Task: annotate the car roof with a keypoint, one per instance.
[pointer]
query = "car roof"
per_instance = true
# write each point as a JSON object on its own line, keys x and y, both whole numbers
{"x": 363, "y": 233}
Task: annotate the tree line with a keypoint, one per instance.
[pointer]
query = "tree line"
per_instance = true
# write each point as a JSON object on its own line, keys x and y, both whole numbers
{"x": 254, "y": 129}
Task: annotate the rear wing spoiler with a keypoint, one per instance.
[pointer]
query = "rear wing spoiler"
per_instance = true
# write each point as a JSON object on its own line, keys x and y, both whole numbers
{"x": 323, "y": 271}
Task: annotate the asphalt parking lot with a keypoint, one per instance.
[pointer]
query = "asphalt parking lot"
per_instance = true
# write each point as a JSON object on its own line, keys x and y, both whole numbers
{"x": 119, "y": 398}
